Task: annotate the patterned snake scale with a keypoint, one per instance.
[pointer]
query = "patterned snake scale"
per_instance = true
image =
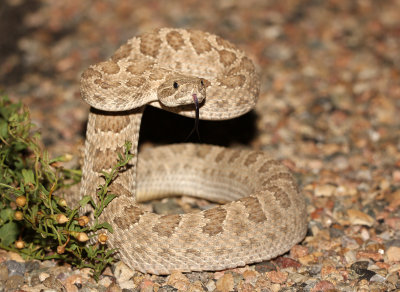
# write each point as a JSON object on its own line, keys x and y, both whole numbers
{"x": 264, "y": 213}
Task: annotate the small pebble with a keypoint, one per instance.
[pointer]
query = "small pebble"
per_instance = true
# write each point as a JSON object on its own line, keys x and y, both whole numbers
{"x": 357, "y": 217}
{"x": 53, "y": 283}
{"x": 298, "y": 251}
{"x": 178, "y": 281}
{"x": 376, "y": 256}
{"x": 122, "y": 272}
{"x": 225, "y": 283}
{"x": 277, "y": 277}
{"x": 323, "y": 286}
{"x": 14, "y": 282}
{"x": 377, "y": 278}
{"x": 3, "y": 272}
{"x": 32, "y": 266}
{"x": 43, "y": 276}
{"x": 324, "y": 190}
{"x": 15, "y": 268}
{"x": 211, "y": 285}
{"x": 393, "y": 254}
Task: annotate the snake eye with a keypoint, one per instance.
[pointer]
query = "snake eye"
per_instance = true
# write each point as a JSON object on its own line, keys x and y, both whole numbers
{"x": 176, "y": 85}
{"x": 201, "y": 82}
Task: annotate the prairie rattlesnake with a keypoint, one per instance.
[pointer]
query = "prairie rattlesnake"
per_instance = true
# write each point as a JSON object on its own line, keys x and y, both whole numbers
{"x": 168, "y": 68}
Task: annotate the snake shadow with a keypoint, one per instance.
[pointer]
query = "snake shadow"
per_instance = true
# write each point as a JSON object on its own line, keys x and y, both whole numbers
{"x": 161, "y": 127}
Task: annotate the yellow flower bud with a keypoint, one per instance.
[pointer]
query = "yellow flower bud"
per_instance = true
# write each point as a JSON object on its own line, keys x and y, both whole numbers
{"x": 83, "y": 220}
{"x": 68, "y": 157}
{"x": 60, "y": 249}
{"x": 103, "y": 238}
{"x": 62, "y": 202}
{"x": 20, "y": 201}
{"x": 82, "y": 237}
{"x": 61, "y": 219}
{"x": 18, "y": 215}
{"x": 20, "y": 244}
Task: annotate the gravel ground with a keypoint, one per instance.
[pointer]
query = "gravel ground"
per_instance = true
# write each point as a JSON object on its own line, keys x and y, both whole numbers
{"x": 328, "y": 109}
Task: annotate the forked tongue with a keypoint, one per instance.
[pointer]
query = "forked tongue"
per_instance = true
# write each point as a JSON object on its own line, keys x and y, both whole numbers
{"x": 197, "y": 118}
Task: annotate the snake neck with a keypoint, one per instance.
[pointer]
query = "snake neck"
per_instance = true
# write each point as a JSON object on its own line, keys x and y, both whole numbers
{"x": 106, "y": 135}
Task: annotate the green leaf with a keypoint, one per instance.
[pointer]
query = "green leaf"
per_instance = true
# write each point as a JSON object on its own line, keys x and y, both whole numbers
{"x": 108, "y": 199}
{"x": 28, "y": 176}
{"x": 86, "y": 199}
{"x": 9, "y": 233}
{"x": 35, "y": 209}
{"x": 104, "y": 225}
{"x": 73, "y": 246}
{"x": 90, "y": 251}
{"x": 3, "y": 130}
{"x": 7, "y": 214}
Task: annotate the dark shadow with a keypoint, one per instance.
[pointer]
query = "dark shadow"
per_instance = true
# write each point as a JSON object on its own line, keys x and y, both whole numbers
{"x": 162, "y": 127}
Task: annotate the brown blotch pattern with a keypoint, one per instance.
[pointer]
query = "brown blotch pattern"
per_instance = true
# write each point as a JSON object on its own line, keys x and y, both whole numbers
{"x": 109, "y": 67}
{"x": 139, "y": 67}
{"x": 220, "y": 155}
{"x": 233, "y": 81}
{"x": 247, "y": 64}
{"x": 199, "y": 42}
{"x": 224, "y": 43}
{"x": 252, "y": 158}
{"x": 216, "y": 217}
{"x": 158, "y": 74}
{"x": 105, "y": 159}
{"x": 237, "y": 224}
{"x": 253, "y": 208}
{"x": 166, "y": 225}
{"x": 150, "y": 44}
{"x": 97, "y": 98}
{"x": 90, "y": 72}
{"x": 114, "y": 124}
{"x": 131, "y": 216}
{"x": 175, "y": 40}
{"x": 227, "y": 58}
{"x": 234, "y": 70}
{"x": 280, "y": 195}
{"x": 235, "y": 154}
{"x": 203, "y": 151}
{"x": 266, "y": 167}
{"x": 118, "y": 189}
{"x": 232, "y": 175}
{"x": 123, "y": 52}
{"x": 135, "y": 82}
{"x": 281, "y": 175}
{"x": 107, "y": 84}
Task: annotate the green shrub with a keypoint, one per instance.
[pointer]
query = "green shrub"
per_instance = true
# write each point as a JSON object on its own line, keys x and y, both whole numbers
{"x": 35, "y": 222}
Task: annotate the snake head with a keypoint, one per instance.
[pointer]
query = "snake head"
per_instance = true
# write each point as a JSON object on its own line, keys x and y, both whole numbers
{"x": 178, "y": 90}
